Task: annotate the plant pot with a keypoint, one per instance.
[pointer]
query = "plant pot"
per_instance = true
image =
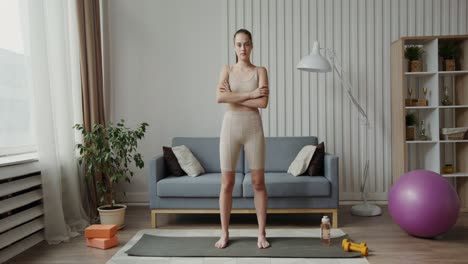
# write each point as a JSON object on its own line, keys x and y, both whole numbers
{"x": 410, "y": 133}
{"x": 416, "y": 66}
{"x": 449, "y": 65}
{"x": 113, "y": 216}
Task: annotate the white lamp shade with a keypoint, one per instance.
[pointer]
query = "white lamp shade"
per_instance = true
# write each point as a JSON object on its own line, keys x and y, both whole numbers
{"x": 314, "y": 62}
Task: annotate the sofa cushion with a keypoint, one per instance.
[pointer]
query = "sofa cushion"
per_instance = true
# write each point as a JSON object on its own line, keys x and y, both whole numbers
{"x": 188, "y": 161}
{"x": 302, "y": 160}
{"x": 281, "y": 151}
{"x": 317, "y": 164}
{"x": 286, "y": 185}
{"x": 206, "y": 149}
{"x": 172, "y": 163}
{"x": 205, "y": 185}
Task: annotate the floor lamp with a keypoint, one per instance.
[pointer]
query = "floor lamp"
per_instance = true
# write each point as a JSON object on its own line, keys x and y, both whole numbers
{"x": 314, "y": 62}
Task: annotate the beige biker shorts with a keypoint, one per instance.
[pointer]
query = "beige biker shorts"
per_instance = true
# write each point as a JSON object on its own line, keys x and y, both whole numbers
{"x": 242, "y": 128}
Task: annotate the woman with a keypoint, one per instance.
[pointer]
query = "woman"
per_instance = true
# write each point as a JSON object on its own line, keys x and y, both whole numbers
{"x": 244, "y": 87}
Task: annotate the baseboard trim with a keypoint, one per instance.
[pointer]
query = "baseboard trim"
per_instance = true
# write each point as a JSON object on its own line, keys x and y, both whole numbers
{"x": 359, "y": 202}
{"x": 340, "y": 203}
{"x": 136, "y": 198}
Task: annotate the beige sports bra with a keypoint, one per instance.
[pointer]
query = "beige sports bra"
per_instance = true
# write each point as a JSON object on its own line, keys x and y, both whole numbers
{"x": 238, "y": 86}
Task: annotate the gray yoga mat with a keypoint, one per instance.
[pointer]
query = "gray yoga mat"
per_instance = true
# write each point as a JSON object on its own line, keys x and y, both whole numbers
{"x": 281, "y": 247}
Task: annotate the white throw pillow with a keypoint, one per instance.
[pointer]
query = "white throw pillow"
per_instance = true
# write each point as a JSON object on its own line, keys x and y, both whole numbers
{"x": 187, "y": 161}
{"x": 302, "y": 160}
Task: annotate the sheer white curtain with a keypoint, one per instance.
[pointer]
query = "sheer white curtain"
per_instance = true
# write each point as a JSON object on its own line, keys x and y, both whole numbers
{"x": 16, "y": 133}
{"x": 52, "y": 52}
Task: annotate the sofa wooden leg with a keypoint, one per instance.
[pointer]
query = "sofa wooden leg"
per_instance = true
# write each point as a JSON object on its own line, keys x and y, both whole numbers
{"x": 153, "y": 219}
{"x": 335, "y": 218}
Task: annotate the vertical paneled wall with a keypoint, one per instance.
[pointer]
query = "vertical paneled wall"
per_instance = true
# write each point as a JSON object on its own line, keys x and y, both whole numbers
{"x": 360, "y": 32}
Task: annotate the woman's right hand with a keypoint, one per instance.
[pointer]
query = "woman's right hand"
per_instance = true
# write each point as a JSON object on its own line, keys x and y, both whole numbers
{"x": 260, "y": 92}
{"x": 225, "y": 87}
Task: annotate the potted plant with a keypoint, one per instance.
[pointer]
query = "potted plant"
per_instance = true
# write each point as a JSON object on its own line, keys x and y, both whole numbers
{"x": 108, "y": 152}
{"x": 414, "y": 54}
{"x": 411, "y": 122}
{"x": 449, "y": 52}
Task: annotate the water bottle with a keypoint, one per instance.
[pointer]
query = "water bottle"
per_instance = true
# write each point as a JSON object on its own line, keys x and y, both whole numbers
{"x": 325, "y": 231}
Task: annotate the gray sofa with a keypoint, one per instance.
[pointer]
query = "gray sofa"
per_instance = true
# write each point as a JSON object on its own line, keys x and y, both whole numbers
{"x": 286, "y": 193}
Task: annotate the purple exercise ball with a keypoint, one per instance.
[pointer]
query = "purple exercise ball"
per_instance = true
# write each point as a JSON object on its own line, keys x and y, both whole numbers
{"x": 423, "y": 203}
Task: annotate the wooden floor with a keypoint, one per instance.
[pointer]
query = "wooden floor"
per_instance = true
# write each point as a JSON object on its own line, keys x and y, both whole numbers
{"x": 387, "y": 242}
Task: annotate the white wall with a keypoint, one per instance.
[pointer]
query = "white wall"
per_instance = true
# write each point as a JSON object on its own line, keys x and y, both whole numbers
{"x": 165, "y": 57}
{"x": 164, "y": 65}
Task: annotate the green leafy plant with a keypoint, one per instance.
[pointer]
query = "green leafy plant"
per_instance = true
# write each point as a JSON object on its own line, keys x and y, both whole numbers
{"x": 411, "y": 119}
{"x": 449, "y": 50}
{"x": 413, "y": 52}
{"x": 107, "y": 152}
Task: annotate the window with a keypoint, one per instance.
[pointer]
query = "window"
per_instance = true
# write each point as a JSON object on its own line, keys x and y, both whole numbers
{"x": 16, "y": 124}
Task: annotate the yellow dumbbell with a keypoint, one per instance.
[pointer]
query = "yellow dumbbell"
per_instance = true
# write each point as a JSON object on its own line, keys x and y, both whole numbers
{"x": 362, "y": 244}
{"x": 361, "y": 248}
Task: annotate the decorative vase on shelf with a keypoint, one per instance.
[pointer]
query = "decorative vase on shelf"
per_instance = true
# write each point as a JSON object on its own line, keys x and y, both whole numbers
{"x": 410, "y": 133}
{"x": 448, "y": 168}
{"x": 449, "y": 52}
{"x": 450, "y": 65}
{"x": 414, "y": 54}
{"x": 416, "y": 66}
{"x": 445, "y": 98}
{"x": 426, "y": 102}
{"x": 422, "y": 131}
{"x": 411, "y": 121}
{"x": 409, "y": 100}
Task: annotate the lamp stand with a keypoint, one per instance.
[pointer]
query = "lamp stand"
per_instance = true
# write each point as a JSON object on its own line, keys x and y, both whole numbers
{"x": 363, "y": 209}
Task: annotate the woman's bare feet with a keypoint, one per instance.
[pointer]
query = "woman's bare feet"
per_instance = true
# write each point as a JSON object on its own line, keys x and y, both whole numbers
{"x": 262, "y": 242}
{"x": 223, "y": 241}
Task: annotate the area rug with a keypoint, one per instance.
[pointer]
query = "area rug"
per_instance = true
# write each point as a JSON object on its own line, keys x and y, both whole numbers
{"x": 288, "y": 246}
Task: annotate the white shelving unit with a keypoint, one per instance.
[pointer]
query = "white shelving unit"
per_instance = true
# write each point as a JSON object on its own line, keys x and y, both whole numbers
{"x": 456, "y": 174}
{"x": 421, "y": 141}
{"x": 447, "y": 73}
{"x": 420, "y": 107}
{"x": 453, "y": 106}
{"x": 434, "y": 153}
{"x": 419, "y": 74}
